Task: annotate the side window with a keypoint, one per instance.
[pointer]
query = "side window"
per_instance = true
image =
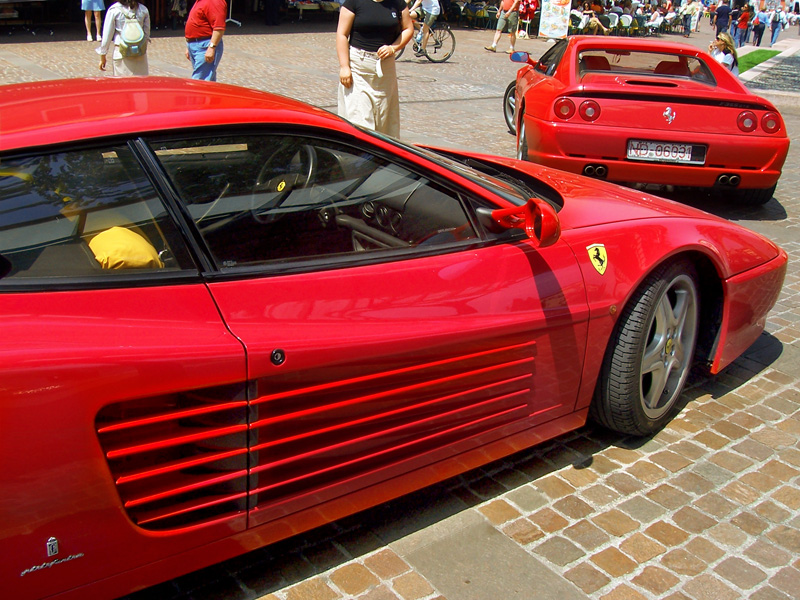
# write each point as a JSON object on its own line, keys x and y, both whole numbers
{"x": 88, "y": 213}
{"x": 263, "y": 199}
{"x": 548, "y": 63}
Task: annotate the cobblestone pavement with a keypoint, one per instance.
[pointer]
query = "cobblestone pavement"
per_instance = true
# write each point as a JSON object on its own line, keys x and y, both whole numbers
{"x": 709, "y": 508}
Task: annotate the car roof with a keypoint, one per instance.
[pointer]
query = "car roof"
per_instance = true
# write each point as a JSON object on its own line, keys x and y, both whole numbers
{"x": 57, "y": 111}
{"x": 631, "y": 43}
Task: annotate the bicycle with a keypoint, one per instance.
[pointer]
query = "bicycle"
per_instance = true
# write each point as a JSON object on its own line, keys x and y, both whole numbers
{"x": 441, "y": 43}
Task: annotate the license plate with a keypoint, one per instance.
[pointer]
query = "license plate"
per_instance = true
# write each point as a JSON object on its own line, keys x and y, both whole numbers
{"x": 670, "y": 152}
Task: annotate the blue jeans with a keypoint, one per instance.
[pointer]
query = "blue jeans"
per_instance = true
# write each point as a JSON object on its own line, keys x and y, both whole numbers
{"x": 776, "y": 31}
{"x": 200, "y": 68}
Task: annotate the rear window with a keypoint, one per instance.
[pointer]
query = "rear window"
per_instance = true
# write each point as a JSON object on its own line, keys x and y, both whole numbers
{"x": 644, "y": 64}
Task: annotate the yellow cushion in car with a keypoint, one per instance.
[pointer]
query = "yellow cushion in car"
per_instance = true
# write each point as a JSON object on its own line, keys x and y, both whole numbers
{"x": 120, "y": 248}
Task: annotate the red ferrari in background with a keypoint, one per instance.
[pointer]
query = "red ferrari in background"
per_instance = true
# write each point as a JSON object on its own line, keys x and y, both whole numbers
{"x": 228, "y": 317}
{"x": 638, "y": 111}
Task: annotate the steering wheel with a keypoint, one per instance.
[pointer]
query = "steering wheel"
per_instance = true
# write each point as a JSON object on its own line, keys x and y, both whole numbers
{"x": 303, "y": 165}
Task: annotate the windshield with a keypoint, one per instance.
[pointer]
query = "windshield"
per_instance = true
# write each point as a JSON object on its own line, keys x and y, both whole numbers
{"x": 511, "y": 187}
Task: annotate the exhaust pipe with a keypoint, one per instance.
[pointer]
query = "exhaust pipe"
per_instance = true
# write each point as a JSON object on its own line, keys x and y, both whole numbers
{"x": 595, "y": 171}
{"x": 731, "y": 180}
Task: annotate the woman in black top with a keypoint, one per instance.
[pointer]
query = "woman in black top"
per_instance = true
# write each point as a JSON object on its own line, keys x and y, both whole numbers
{"x": 367, "y": 37}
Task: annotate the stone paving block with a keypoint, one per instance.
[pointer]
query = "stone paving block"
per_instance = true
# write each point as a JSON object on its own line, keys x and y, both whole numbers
{"x": 647, "y": 472}
{"x": 554, "y": 487}
{"x": 614, "y": 562}
{"x": 769, "y": 556}
{"x": 600, "y": 495}
{"x": 772, "y": 512}
{"x": 789, "y": 496}
{"x": 559, "y": 551}
{"x": 499, "y": 511}
{"x": 711, "y": 439}
{"x": 786, "y": 537}
{"x": 690, "y": 519}
{"x": 386, "y": 564}
{"x": 641, "y": 548}
{"x": 740, "y": 573}
{"x": 787, "y": 580}
{"x": 669, "y": 496}
{"x": 381, "y": 592}
{"x": 780, "y": 471}
{"x": 587, "y": 578}
{"x": 624, "y": 483}
{"x": 708, "y": 587}
{"x": 586, "y": 534}
{"x": 580, "y": 478}
{"x": 704, "y": 549}
{"x": 667, "y": 534}
{"x": 353, "y": 578}
{"x": 692, "y": 483}
{"x": 655, "y": 580}
{"x": 750, "y": 523}
{"x": 412, "y": 586}
{"x": 623, "y": 592}
{"x": 311, "y": 589}
{"x": 739, "y": 492}
{"x": 735, "y": 463}
{"x": 573, "y": 507}
{"x": 548, "y": 520}
{"x": 684, "y": 563}
{"x": 728, "y": 535}
{"x": 730, "y": 430}
{"x": 754, "y": 450}
{"x": 615, "y": 522}
{"x": 715, "y": 505}
{"x": 641, "y": 509}
{"x": 523, "y": 532}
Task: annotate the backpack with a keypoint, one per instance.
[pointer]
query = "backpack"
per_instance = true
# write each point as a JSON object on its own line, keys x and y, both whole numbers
{"x": 131, "y": 38}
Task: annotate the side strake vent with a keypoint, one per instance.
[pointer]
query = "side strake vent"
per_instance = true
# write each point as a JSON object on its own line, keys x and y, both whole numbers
{"x": 179, "y": 460}
{"x": 313, "y": 440}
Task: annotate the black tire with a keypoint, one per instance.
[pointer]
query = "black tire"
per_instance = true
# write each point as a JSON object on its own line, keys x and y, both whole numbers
{"x": 509, "y": 106}
{"x": 441, "y": 44}
{"x": 522, "y": 140}
{"x": 650, "y": 353}
{"x": 757, "y": 197}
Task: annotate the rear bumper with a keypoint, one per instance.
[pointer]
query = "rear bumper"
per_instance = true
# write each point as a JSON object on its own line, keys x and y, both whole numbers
{"x": 757, "y": 160}
{"x": 749, "y": 297}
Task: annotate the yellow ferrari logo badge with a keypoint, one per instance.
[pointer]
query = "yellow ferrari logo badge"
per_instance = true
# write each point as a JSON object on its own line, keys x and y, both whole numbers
{"x": 281, "y": 186}
{"x": 598, "y": 256}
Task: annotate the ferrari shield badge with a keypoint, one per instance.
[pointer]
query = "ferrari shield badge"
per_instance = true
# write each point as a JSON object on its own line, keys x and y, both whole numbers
{"x": 598, "y": 256}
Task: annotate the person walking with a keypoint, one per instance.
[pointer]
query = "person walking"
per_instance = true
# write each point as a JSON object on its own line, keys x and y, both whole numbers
{"x": 741, "y": 26}
{"x": 205, "y": 27}
{"x": 777, "y": 23}
{"x": 368, "y": 35}
{"x": 508, "y": 16}
{"x": 97, "y": 7}
{"x": 759, "y": 25}
{"x": 722, "y": 16}
{"x": 124, "y": 66}
{"x": 687, "y": 13}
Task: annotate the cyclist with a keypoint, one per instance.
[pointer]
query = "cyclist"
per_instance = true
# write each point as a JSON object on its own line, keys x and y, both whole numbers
{"x": 426, "y": 12}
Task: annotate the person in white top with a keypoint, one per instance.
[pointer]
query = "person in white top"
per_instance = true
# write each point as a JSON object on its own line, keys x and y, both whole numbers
{"x": 426, "y": 12}
{"x": 124, "y": 66}
{"x": 723, "y": 49}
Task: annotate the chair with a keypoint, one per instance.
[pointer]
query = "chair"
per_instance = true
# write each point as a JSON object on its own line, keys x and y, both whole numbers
{"x": 613, "y": 22}
{"x": 625, "y": 24}
{"x": 605, "y": 21}
{"x": 641, "y": 24}
{"x": 491, "y": 17}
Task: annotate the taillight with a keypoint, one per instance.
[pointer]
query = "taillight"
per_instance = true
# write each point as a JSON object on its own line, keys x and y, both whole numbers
{"x": 747, "y": 121}
{"x": 770, "y": 122}
{"x": 564, "y": 108}
{"x": 589, "y": 110}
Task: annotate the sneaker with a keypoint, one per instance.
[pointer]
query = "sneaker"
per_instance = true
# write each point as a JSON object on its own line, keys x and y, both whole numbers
{"x": 510, "y": 51}
{"x": 99, "y": 38}
{"x": 490, "y": 48}
{"x": 89, "y": 37}
{"x": 419, "y": 51}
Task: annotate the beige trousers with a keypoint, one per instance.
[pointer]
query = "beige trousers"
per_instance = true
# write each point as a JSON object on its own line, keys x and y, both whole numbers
{"x": 372, "y": 101}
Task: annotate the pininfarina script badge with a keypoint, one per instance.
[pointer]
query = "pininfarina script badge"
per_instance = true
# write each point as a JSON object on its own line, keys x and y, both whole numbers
{"x": 669, "y": 115}
{"x": 598, "y": 256}
{"x": 52, "y": 550}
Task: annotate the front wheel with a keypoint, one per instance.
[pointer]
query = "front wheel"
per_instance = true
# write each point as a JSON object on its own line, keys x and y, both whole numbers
{"x": 441, "y": 44}
{"x": 509, "y": 105}
{"x": 650, "y": 353}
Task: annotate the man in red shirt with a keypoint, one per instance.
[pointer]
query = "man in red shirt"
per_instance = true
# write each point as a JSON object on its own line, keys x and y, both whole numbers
{"x": 507, "y": 16}
{"x": 204, "y": 29}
